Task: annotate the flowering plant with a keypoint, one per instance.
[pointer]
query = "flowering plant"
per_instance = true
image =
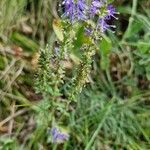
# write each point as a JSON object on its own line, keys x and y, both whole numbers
{"x": 77, "y": 37}
{"x": 97, "y": 10}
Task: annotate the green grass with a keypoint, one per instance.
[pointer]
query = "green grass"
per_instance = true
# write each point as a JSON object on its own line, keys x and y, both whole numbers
{"x": 113, "y": 110}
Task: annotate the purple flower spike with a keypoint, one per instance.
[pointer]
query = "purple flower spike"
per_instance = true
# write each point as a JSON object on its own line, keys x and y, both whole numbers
{"x": 75, "y": 10}
{"x": 111, "y": 12}
{"x": 95, "y": 6}
{"x": 58, "y": 136}
{"x": 78, "y": 10}
{"x": 88, "y": 31}
{"x": 81, "y": 10}
{"x": 69, "y": 9}
{"x": 102, "y": 25}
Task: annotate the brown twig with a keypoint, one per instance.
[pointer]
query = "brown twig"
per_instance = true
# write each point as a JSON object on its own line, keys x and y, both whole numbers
{"x": 12, "y": 120}
{"x": 20, "y": 112}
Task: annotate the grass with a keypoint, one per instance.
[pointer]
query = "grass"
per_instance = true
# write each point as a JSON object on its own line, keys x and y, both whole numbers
{"x": 112, "y": 112}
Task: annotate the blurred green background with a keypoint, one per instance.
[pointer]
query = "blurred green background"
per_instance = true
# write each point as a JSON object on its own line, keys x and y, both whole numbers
{"x": 112, "y": 112}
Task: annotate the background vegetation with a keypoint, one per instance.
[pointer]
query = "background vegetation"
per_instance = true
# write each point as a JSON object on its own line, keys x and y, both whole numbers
{"x": 112, "y": 112}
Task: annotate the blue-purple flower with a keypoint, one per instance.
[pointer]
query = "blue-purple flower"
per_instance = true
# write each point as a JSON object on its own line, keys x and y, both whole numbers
{"x": 99, "y": 10}
{"x": 88, "y": 30}
{"x": 75, "y": 10}
{"x": 102, "y": 25}
{"x": 57, "y": 135}
{"x": 69, "y": 9}
{"x": 111, "y": 12}
{"x": 81, "y": 10}
{"x": 95, "y": 6}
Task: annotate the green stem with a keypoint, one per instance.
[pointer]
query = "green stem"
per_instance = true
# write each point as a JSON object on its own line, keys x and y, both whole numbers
{"x": 131, "y": 19}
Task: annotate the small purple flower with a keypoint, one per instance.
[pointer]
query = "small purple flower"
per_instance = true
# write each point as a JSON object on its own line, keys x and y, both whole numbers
{"x": 111, "y": 12}
{"x": 78, "y": 10}
{"x": 69, "y": 9}
{"x": 102, "y": 21}
{"x": 95, "y": 6}
{"x": 75, "y": 10}
{"x": 88, "y": 31}
{"x": 103, "y": 26}
{"x": 81, "y": 10}
{"x": 57, "y": 135}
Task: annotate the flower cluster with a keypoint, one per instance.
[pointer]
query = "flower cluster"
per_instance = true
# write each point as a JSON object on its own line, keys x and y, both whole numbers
{"x": 57, "y": 135}
{"x": 75, "y": 10}
{"x": 100, "y": 10}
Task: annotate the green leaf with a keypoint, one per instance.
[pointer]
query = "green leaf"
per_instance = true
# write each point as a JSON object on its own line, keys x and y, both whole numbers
{"x": 104, "y": 62}
{"x": 132, "y": 30}
{"x": 148, "y": 72}
{"x": 143, "y": 47}
{"x": 24, "y": 42}
{"x": 58, "y": 29}
{"x": 81, "y": 39}
{"x": 105, "y": 47}
{"x": 2, "y": 63}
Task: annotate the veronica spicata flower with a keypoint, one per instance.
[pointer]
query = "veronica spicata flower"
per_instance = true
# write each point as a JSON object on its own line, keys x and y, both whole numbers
{"x": 98, "y": 10}
{"x": 95, "y": 6}
{"x": 75, "y": 10}
{"x": 69, "y": 9}
{"x": 102, "y": 25}
{"x": 57, "y": 135}
{"x": 111, "y": 12}
{"x": 81, "y": 10}
{"x": 102, "y": 21}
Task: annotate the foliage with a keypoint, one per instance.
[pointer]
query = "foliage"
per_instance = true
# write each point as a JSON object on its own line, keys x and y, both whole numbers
{"x": 94, "y": 88}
